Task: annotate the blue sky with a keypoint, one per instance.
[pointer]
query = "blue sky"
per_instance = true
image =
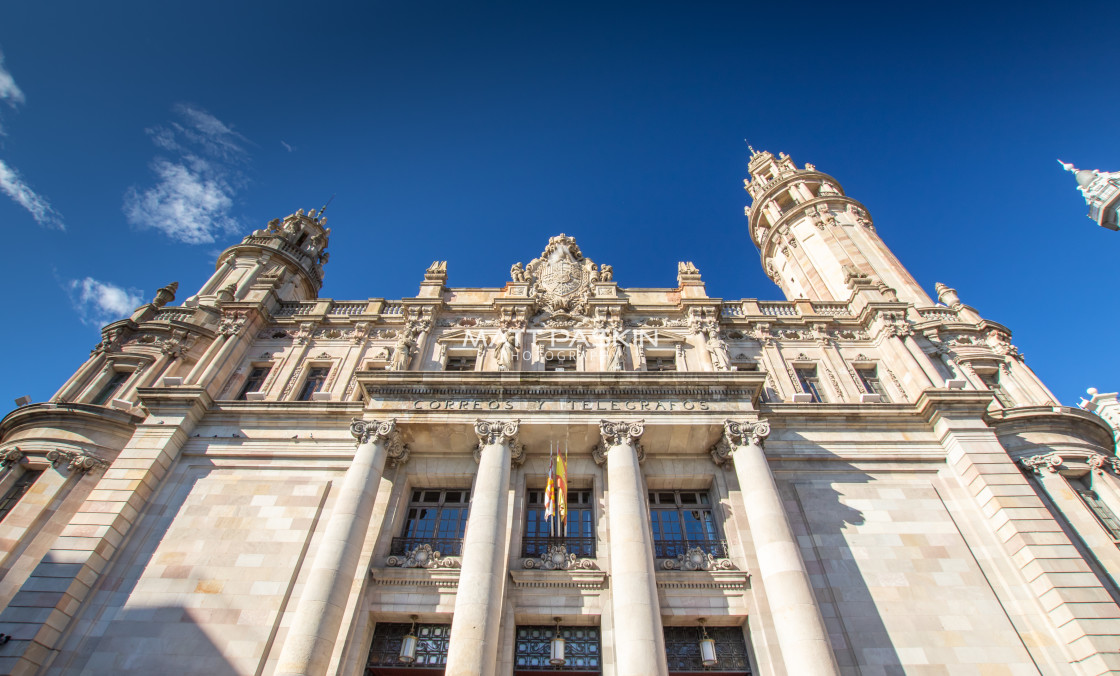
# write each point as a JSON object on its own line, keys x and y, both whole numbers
{"x": 140, "y": 139}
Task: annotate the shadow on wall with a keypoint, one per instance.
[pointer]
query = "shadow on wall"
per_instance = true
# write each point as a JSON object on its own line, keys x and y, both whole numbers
{"x": 898, "y": 585}
{"x": 827, "y": 525}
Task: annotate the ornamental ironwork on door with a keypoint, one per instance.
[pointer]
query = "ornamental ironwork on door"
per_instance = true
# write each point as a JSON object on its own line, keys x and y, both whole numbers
{"x": 431, "y": 645}
{"x": 682, "y": 650}
{"x": 581, "y": 649}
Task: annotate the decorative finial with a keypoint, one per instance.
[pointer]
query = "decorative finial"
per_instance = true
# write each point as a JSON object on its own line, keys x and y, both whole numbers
{"x": 1067, "y": 166}
{"x": 750, "y": 148}
{"x": 324, "y": 209}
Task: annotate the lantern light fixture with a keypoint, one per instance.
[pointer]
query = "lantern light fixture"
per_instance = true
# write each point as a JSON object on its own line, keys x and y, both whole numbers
{"x": 408, "y": 645}
{"x": 556, "y": 655}
{"x": 707, "y": 647}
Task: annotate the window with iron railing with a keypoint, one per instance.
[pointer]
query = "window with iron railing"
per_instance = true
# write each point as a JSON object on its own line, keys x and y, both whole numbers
{"x": 579, "y": 531}
{"x": 437, "y": 518}
{"x": 681, "y": 520}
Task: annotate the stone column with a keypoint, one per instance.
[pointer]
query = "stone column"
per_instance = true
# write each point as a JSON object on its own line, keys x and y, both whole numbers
{"x": 318, "y": 617}
{"x": 801, "y": 631}
{"x": 639, "y": 641}
{"x": 473, "y": 647}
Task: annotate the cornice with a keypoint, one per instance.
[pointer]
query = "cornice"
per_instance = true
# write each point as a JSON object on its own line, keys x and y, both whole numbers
{"x": 62, "y": 415}
{"x": 791, "y": 215}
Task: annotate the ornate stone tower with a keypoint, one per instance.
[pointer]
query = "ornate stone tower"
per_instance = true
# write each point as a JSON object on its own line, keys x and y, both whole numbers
{"x": 816, "y": 242}
{"x": 1102, "y": 194}
{"x": 287, "y": 257}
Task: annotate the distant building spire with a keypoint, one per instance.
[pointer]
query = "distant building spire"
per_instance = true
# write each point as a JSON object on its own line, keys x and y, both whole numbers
{"x": 1102, "y": 193}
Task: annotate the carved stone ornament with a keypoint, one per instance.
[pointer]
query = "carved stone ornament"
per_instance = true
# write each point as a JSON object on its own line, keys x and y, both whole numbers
{"x": 618, "y": 434}
{"x": 494, "y": 432}
{"x": 76, "y": 461}
{"x": 231, "y": 324}
{"x": 558, "y": 558}
{"x": 1055, "y": 462}
{"x": 743, "y": 433}
{"x": 422, "y": 556}
{"x": 697, "y": 558}
{"x": 10, "y": 456}
{"x": 561, "y": 277}
{"x": 385, "y": 431}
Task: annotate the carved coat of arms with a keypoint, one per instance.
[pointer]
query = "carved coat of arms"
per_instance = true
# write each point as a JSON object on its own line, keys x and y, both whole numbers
{"x": 561, "y": 277}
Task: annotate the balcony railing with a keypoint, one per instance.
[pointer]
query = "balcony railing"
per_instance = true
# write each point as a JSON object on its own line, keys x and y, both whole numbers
{"x": 670, "y": 549}
{"x": 537, "y": 547}
{"x": 445, "y": 546}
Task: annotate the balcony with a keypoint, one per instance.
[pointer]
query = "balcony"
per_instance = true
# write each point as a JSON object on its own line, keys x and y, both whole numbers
{"x": 537, "y": 547}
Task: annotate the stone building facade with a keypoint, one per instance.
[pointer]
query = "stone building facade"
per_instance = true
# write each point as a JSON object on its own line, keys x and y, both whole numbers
{"x": 856, "y": 480}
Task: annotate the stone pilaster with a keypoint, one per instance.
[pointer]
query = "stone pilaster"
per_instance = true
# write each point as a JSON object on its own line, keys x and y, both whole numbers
{"x": 638, "y": 636}
{"x": 473, "y": 647}
{"x": 318, "y": 617}
{"x": 1084, "y": 615}
{"x": 801, "y": 631}
{"x": 45, "y": 605}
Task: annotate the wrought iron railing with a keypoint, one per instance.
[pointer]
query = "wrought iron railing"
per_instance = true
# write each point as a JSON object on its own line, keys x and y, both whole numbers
{"x": 537, "y": 547}
{"x": 445, "y": 546}
{"x": 432, "y": 641}
{"x": 670, "y": 549}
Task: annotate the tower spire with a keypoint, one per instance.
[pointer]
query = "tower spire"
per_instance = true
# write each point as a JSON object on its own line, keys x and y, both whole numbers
{"x": 1102, "y": 193}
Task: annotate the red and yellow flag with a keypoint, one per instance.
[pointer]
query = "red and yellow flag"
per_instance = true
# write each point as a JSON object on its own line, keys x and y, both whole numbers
{"x": 562, "y": 490}
{"x": 550, "y": 493}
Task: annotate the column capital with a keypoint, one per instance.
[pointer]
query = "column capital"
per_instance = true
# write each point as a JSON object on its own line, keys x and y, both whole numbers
{"x": 742, "y": 433}
{"x": 381, "y": 431}
{"x": 618, "y": 433}
{"x": 491, "y": 432}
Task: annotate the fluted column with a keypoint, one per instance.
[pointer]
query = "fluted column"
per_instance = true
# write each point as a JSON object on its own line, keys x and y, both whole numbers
{"x": 318, "y": 618}
{"x": 639, "y": 641}
{"x": 473, "y": 648}
{"x": 802, "y": 635}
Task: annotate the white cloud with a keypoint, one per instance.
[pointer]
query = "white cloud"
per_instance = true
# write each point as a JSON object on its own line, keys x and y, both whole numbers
{"x": 9, "y": 90}
{"x": 99, "y": 302}
{"x": 14, "y": 186}
{"x": 195, "y": 192}
{"x": 287, "y": 147}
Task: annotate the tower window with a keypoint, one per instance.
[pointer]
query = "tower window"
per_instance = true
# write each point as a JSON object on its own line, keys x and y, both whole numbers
{"x": 992, "y": 381}
{"x": 316, "y": 376}
{"x": 22, "y": 484}
{"x": 431, "y": 648}
{"x": 869, "y": 376}
{"x": 110, "y": 388}
{"x": 581, "y": 649}
{"x": 682, "y": 650}
{"x": 255, "y": 381}
{"x": 462, "y": 363}
{"x": 810, "y": 382}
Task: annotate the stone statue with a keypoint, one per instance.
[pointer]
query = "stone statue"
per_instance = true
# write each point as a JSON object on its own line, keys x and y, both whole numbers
{"x": 517, "y": 272}
{"x": 505, "y": 349}
{"x": 606, "y": 273}
{"x": 402, "y": 352}
{"x": 721, "y": 358}
{"x": 616, "y": 353}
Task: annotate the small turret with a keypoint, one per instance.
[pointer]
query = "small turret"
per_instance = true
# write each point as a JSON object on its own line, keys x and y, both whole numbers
{"x": 1102, "y": 193}
{"x": 815, "y": 241}
{"x": 287, "y": 257}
